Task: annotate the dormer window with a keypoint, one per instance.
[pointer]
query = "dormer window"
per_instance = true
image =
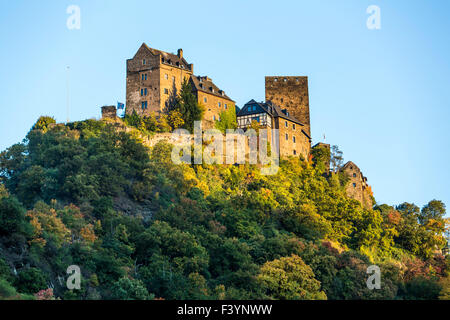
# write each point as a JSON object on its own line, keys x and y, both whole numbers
{"x": 249, "y": 109}
{"x": 201, "y": 85}
{"x": 162, "y": 59}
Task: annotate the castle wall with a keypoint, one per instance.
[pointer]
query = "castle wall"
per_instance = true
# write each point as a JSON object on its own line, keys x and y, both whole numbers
{"x": 357, "y": 187}
{"x": 290, "y": 93}
{"x": 158, "y": 78}
{"x": 170, "y": 83}
{"x": 212, "y": 108}
{"x": 301, "y": 146}
{"x": 109, "y": 112}
{"x": 135, "y": 70}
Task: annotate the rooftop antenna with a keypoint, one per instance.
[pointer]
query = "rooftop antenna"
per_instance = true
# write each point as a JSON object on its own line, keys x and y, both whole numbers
{"x": 324, "y": 137}
{"x": 67, "y": 87}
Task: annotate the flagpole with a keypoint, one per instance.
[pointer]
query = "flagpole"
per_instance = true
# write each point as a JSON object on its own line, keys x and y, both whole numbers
{"x": 67, "y": 87}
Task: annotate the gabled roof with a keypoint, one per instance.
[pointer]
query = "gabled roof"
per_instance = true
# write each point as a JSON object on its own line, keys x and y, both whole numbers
{"x": 270, "y": 108}
{"x": 169, "y": 58}
{"x": 348, "y": 164}
{"x": 206, "y": 85}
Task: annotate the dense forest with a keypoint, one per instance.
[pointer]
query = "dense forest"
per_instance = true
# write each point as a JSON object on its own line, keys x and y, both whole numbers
{"x": 140, "y": 227}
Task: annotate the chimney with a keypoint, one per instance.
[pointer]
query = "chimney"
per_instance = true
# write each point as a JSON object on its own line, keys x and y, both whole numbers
{"x": 180, "y": 53}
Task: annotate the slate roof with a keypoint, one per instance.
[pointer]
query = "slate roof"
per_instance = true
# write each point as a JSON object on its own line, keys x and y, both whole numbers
{"x": 267, "y": 107}
{"x": 169, "y": 58}
{"x": 205, "y": 84}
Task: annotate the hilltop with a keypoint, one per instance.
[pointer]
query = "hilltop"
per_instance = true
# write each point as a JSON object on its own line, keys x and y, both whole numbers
{"x": 141, "y": 227}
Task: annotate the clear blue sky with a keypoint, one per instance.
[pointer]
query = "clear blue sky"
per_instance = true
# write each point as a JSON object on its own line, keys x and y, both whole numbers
{"x": 381, "y": 95}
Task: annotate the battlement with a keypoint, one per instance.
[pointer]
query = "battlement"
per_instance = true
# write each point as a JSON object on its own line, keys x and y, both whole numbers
{"x": 290, "y": 93}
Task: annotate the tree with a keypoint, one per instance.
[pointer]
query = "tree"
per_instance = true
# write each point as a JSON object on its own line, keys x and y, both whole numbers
{"x": 434, "y": 209}
{"x": 290, "y": 278}
{"x": 337, "y": 158}
{"x": 31, "y": 281}
{"x": 227, "y": 120}
{"x": 12, "y": 217}
{"x": 129, "y": 289}
{"x": 175, "y": 119}
{"x": 321, "y": 157}
{"x": 188, "y": 106}
{"x": 43, "y": 123}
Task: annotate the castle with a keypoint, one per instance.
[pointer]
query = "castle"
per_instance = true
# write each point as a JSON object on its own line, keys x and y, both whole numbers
{"x": 154, "y": 77}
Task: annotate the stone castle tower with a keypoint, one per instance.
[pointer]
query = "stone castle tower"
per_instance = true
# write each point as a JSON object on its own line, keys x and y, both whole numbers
{"x": 290, "y": 93}
{"x": 152, "y": 75}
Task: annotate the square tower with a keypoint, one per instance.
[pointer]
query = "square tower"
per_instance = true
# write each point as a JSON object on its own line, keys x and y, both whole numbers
{"x": 290, "y": 93}
{"x": 153, "y": 77}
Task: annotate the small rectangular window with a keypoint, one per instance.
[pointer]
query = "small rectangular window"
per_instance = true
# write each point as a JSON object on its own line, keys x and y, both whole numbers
{"x": 144, "y": 62}
{"x": 295, "y": 152}
{"x": 293, "y": 126}
{"x": 287, "y": 136}
{"x": 249, "y": 109}
{"x": 166, "y": 91}
{"x": 145, "y": 91}
{"x": 220, "y": 104}
{"x": 166, "y": 76}
{"x": 205, "y": 99}
{"x": 225, "y": 105}
{"x": 293, "y": 139}
{"x": 254, "y": 108}
{"x": 286, "y": 124}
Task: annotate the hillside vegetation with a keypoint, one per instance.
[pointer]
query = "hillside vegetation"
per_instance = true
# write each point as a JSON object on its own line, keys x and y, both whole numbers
{"x": 140, "y": 227}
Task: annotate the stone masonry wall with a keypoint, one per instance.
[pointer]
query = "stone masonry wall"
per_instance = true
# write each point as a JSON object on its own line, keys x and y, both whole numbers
{"x": 290, "y": 93}
{"x": 287, "y": 146}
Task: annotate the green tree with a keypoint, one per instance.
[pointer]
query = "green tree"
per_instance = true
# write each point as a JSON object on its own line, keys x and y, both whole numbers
{"x": 290, "y": 278}
{"x": 43, "y": 123}
{"x": 129, "y": 289}
{"x": 31, "y": 281}
{"x": 188, "y": 106}
{"x": 337, "y": 158}
{"x": 12, "y": 217}
{"x": 227, "y": 120}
